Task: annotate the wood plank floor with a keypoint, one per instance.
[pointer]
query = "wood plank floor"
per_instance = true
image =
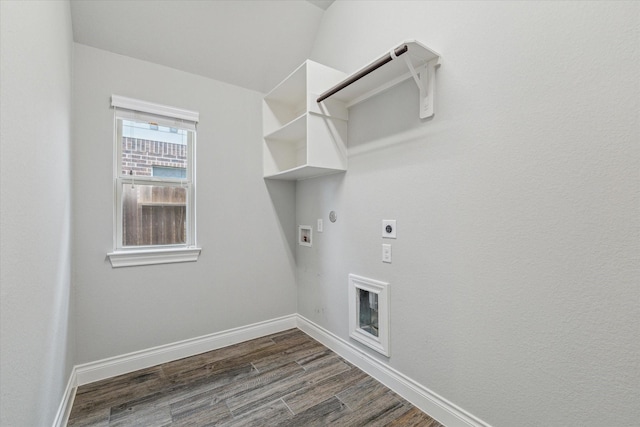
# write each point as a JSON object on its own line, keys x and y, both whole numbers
{"x": 284, "y": 379}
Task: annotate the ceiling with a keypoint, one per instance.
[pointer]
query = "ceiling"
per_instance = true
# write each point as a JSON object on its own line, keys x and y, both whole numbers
{"x": 249, "y": 43}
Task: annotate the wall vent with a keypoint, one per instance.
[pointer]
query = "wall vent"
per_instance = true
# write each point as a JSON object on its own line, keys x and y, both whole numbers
{"x": 369, "y": 313}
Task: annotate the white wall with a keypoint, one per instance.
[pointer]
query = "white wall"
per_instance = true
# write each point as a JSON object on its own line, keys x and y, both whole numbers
{"x": 36, "y": 326}
{"x": 246, "y": 272}
{"x": 514, "y": 282}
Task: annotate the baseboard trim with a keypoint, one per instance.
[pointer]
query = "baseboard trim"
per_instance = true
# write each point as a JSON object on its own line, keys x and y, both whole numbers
{"x": 435, "y": 405}
{"x": 64, "y": 410}
{"x": 118, "y": 365}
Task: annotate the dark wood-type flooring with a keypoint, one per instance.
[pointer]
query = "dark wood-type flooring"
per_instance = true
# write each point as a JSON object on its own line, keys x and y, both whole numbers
{"x": 285, "y": 379}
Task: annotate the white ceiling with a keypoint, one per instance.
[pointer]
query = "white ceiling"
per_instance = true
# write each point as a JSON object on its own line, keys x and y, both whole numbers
{"x": 249, "y": 43}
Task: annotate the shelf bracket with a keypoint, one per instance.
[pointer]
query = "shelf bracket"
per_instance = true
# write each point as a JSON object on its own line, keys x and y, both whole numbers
{"x": 424, "y": 77}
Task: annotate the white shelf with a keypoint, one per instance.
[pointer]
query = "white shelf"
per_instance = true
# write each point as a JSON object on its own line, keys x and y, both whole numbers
{"x": 281, "y": 156}
{"x": 292, "y": 131}
{"x": 304, "y": 139}
{"x": 285, "y": 102}
{"x": 303, "y": 172}
{"x": 423, "y": 62}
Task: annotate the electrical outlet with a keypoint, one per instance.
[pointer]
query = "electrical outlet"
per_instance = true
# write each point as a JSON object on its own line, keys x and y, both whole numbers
{"x": 389, "y": 228}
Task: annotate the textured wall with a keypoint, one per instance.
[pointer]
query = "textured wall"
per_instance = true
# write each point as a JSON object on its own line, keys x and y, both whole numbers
{"x": 246, "y": 272}
{"x": 36, "y": 326}
{"x": 514, "y": 282}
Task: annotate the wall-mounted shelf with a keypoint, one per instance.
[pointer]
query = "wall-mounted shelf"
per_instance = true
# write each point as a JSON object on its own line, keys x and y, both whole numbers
{"x": 408, "y": 59}
{"x": 303, "y": 138}
{"x": 305, "y": 124}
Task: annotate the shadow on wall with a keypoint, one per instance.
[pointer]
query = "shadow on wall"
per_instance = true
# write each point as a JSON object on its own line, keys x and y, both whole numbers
{"x": 283, "y": 200}
{"x": 391, "y": 117}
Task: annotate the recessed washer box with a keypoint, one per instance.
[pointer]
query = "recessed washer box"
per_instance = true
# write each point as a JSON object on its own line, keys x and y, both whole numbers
{"x": 304, "y": 235}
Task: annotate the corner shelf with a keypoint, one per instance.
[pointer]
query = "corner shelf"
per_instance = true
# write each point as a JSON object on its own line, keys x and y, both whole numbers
{"x": 305, "y": 124}
{"x": 303, "y": 138}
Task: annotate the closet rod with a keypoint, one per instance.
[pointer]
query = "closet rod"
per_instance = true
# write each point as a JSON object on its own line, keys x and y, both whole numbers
{"x": 379, "y": 63}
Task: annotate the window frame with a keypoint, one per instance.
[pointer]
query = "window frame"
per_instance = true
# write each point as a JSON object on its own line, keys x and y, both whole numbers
{"x": 141, "y": 111}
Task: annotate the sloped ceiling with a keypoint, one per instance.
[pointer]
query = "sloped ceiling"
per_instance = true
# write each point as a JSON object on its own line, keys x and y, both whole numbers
{"x": 249, "y": 43}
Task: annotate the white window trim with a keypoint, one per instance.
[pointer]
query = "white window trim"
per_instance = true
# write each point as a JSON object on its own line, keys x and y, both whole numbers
{"x": 136, "y": 257}
{"x": 152, "y": 108}
{"x": 129, "y": 257}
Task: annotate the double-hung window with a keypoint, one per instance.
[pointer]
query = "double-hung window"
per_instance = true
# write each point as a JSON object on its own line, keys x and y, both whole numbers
{"x": 154, "y": 183}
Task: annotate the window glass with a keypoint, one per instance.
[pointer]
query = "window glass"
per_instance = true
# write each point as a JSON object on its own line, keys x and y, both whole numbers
{"x": 155, "y": 191}
{"x": 148, "y": 146}
{"x": 154, "y": 215}
{"x": 169, "y": 172}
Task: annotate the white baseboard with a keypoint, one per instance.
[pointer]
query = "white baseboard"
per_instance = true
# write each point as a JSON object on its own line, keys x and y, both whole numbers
{"x": 438, "y": 407}
{"x": 426, "y": 400}
{"x": 118, "y": 365}
{"x": 64, "y": 410}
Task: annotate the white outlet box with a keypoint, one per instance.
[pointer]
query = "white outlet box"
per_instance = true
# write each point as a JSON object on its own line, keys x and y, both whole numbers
{"x": 389, "y": 228}
{"x": 320, "y": 225}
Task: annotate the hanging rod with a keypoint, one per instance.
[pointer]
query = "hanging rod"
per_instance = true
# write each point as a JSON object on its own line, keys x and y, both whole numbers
{"x": 379, "y": 63}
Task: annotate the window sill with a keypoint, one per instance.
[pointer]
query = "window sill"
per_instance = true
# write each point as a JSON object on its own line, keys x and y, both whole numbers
{"x": 152, "y": 256}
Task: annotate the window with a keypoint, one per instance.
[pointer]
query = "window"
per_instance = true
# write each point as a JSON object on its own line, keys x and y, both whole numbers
{"x": 154, "y": 179}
